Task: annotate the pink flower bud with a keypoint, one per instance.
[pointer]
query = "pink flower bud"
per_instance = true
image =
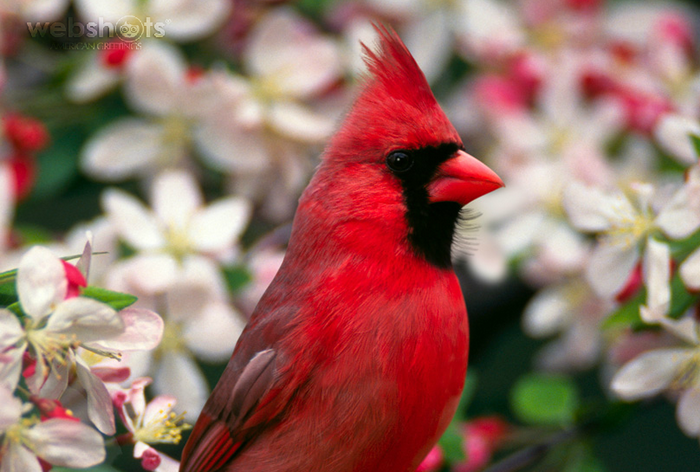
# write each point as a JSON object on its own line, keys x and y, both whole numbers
{"x": 433, "y": 461}
{"x": 118, "y": 399}
{"x": 76, "y": 280}
{"x": 115, "y": 54}
{"x": 150, "y": 459}
{"x": 632, "y": 286}
{"x": 23, "y": 171}
{"x": 492, "y": 428}
{"x": 29, "y": 365}
{"x": 25, "y": 134}
{"x": 499, "y": 94}
{"x": 49, "y": 409}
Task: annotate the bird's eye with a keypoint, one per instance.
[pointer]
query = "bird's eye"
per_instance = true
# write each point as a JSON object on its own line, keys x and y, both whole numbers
{"x": 399, "y": 161}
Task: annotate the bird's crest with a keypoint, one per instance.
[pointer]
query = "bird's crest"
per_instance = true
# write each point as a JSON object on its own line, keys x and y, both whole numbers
{"x": 394, "y": 108}
{"x": 394, "y": 69}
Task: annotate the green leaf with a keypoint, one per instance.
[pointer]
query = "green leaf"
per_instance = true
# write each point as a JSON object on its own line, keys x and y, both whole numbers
{"x": 8, "y": 293}
{"x": 451, "y": 443}
{"x": 680, "y": 249}
{"x": 97, "y": 468}
{"x": 627, "y": 315}
{"x": 695, "y": 139}
{"x": 31, "y": 235}
{"x": 16, "y": 309}
{"x": 116, "y": 300}
{"x": 582, "y": 459}
{"x": 681, "y": 298}
{"x": 8, "y": 276}
{"x": 545, "y": 399}
{"x": 237, "y": 277}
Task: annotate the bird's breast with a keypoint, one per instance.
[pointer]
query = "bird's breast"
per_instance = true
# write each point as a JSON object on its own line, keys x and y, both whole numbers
{"x": 390, "y": 361}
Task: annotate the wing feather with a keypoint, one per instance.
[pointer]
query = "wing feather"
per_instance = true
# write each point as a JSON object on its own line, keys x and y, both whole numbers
{"x": 220, "y": 432}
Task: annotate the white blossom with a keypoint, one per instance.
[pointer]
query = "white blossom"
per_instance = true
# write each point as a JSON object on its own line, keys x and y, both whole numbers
{"x": 57, "y": 324}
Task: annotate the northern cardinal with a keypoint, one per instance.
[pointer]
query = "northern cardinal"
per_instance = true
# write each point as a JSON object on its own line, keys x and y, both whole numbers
{"x": 356, "y": 355}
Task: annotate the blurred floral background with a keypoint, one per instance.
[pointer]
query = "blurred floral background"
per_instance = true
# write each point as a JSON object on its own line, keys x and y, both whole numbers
{"x": 166, "y": 143}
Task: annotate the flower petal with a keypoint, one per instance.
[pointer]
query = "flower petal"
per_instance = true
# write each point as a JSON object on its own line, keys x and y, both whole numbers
{"x": 7, "y": 199}
{"x": 175, "y": 196}
{"x": 11, "y": 409}
{"x": 232, "y": 148}
{"x": 285, "y": 50}
{"x": 139, "y": 362}
{"x": 673, "y": 135}
{"x": 520, "y": 231}
{"x": 57, "y": 380}
{"x": 10, "y": 329}
{"x": 690, "y": 271}
{"x": 180, "y": 376}
{"x": 91, "y": 80}
{"x": 214, "y": 333}
{"x": 139, "y": 448}
{"x": 299, "y": 123}
{"x": 100, "y": 409}
{"x": 681, "y": 216}
{"x": 657, "y": 279}
{"x": 133, "y": 220}
{"x": 490, "y": 28}
{"x": 190, "y": 19}
{"x": 37, "y": 379}
{"x": 155, "y": 78}
{"x": 167, "y": 464}
{"x": 67, "y": 443}
{"x": 488, "y": 262}
{"x": 216, "y": 227}
{"x": 143, "y": 330}
{"x": 685, "y": 328}
{"x": 87, "y": 319}
{"x": 649, "y": 373}
{"x": 158, "y": 409}
{"x": 11, "y": 366}
{"x": 199, "y": 283}
{"x": 17, "y": 458}
{"x": 123, "y": 149}
{"x": 43, "y": 10}
{"x": 546, "y": 313}
{"x": 105, "y": 10}
{"x": 151, "y": 273}
{"x": 587, "y": 207}
{"x": 109, "y": 374}
{"x": 136, "y": 396}
{"x": 609, "y": 268}
{"x": 41, "y": 282}
{"x": 688, "y": 412}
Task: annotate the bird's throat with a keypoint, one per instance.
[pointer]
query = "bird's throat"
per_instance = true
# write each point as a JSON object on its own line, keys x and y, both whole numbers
{"x": 431, "y": 229}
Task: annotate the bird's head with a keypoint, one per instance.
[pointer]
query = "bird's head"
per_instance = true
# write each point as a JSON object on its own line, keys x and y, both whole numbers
{"x": 396, "y": 147}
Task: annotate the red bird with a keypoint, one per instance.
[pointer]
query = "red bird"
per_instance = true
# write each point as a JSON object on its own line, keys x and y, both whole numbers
{"x": 355, "y": 357}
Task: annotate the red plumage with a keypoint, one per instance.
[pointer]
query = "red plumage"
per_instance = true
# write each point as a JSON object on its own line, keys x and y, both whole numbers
{"x": 355, "y": 357}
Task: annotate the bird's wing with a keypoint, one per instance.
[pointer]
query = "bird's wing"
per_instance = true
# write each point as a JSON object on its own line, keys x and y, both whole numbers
{"x": 220, "y": 427}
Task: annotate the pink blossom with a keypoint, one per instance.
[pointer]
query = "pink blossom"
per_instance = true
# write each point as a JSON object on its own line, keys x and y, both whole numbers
{"x": 433, "y": 461}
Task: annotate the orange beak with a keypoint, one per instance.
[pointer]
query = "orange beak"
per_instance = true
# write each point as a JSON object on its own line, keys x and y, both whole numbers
{"x": 462, "y": 178}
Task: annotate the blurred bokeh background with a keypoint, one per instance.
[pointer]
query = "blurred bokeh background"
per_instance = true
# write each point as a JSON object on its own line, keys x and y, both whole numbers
{"x": 183, "y": 139}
